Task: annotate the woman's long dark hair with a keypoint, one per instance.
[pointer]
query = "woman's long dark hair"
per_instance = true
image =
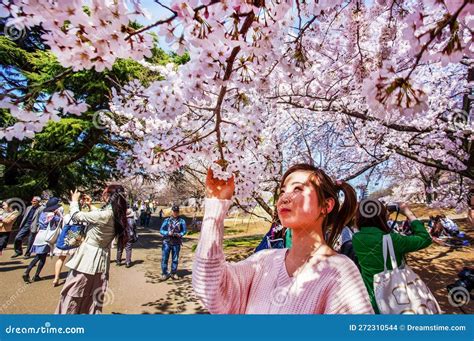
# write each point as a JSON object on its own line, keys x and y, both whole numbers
{"x": 326, "y": 188}
{"x": 372, "y": 213}
{"x": 118, "y": 201}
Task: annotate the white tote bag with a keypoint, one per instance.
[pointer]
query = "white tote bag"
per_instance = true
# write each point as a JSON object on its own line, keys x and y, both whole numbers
{"x": 401, "y": 291}
{"x": 53, "y": 233}
{"x": 48, "y": 235}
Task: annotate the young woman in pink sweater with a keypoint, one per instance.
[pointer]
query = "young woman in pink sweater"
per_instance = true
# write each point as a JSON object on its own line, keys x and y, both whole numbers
{"x": 309, "y": 278}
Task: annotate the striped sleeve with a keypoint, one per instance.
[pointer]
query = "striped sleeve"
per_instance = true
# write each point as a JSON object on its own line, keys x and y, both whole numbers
{"x": 222, "y": 287}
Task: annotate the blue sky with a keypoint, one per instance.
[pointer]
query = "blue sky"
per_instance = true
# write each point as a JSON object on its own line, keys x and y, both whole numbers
{"x": 156, "y": 13}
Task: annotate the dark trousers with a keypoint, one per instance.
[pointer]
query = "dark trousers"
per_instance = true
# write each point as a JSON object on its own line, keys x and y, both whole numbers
{"x": 31, "y": 240}
{"x": 4, "y": 236}
{"x": 174, "y": 249}
{"x": 147, "y": 220}
{"x": 128, "y": 251}
{"x": 24, "y": 231}
{"x": 41, "y": 260}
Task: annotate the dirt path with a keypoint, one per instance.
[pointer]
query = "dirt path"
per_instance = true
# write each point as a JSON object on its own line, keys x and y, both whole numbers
{"x": 135, "y": 290}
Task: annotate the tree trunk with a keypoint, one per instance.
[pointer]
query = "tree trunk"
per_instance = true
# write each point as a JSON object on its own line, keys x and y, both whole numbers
{"x": 12, "y": 172}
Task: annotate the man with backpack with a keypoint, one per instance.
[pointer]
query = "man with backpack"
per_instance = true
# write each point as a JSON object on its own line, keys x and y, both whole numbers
{"x": 173, "y": 229}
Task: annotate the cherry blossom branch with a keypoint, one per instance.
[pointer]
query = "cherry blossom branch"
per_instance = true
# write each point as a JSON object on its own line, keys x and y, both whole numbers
{"x": 237, "y": 202}
{"x": 227, "y": 73}
{"x": 434, "y": 33}
{"x": 302, "y": 135}
{"x": 367, "y": 167}
{"x": 355, "y": 114}
{"x": 468, "y": 173}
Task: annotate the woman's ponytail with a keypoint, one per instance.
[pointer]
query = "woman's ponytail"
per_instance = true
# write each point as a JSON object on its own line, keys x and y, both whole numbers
{"x": 340, "y": 218}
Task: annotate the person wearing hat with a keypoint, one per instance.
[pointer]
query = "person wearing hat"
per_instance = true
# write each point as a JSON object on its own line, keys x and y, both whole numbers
{"x": 51, "y": 215}
{"x": 173, "y": 229}
{"x": 28, "y": 227}
{"x": 132, "y": 238}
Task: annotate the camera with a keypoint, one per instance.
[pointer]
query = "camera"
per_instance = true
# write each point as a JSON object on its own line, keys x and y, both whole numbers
{"x": 393, "y": 208}
{"x": 465, "y": 281}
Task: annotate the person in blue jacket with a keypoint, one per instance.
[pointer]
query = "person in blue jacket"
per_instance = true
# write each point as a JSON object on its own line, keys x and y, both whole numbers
{"x": 173, "y": 229}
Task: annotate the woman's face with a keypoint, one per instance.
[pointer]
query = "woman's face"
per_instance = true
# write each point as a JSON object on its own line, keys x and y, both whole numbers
{"x": 298, "y": 206}
{"x": 5, "y": 206}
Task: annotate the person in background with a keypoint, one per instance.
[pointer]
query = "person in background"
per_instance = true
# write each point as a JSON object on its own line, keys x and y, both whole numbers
{"x": 142, "y": 214}
{"x": 450, "y": 226}
{"x": 87, "y": 282}
{"x": 437, "y": 231}
{"x": 148, "y": 210}
{"x": 431, "y": 222}
{"x": 347, "y": 248}
{"x": 7, "y": 219}
{"x": 392, "y": 224}
{"x": 51, "y": 214}
{"x": 132, "y": 235}
{"x": 406, "y": 227}
{"x": 61, "y": 254}
{"x": 367, "y": 243}
{"x": 278, "y": 237}
{"x": 173, "y": 229}
{"x": 28, "y": 227}
{"x": 85, "y": 204}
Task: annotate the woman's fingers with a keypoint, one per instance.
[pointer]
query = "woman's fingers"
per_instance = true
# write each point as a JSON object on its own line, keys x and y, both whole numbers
{"x": 221, "y": 189}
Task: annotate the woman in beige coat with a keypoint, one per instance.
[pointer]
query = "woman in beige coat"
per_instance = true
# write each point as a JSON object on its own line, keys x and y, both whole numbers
{"x": 7, "y": 219}
{"x": 86, "y": 284}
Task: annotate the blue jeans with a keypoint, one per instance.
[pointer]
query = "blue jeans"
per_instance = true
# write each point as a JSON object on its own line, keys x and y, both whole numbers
{"x": 174, "y": 249}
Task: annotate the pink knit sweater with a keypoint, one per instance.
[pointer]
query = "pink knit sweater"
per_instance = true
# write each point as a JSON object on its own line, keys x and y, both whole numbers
{"x": 260, "y": 284}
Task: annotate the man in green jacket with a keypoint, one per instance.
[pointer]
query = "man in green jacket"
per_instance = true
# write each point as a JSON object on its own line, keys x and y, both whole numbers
{"x": 368, "y": 244}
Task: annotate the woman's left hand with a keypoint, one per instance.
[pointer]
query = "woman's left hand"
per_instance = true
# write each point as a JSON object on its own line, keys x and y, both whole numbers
{"x": 75, "y": 195}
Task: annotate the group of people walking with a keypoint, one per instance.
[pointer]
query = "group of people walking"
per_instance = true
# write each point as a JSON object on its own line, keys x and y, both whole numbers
{"x": 37, "y": 218}
{"x": 89, "y": 264}
{"x": 87, "y": 281}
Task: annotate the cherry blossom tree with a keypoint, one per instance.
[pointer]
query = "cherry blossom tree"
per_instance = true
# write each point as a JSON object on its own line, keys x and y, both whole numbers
{"x": 371, "y": 80}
